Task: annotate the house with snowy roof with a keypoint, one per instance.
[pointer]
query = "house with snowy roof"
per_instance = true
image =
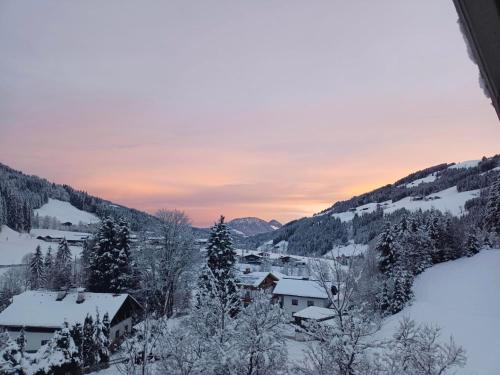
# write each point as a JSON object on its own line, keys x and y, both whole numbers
{"x": 295, "y": 294}
{"x": 41, "y": 313}
{"x": 250, "y": 282}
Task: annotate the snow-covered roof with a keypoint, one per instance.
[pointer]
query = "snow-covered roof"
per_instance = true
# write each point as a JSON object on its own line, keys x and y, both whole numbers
{"x": 300, "y": 288}
{"x": 70, "y": 236}
{"x": 253, "y": 279}
{"x": 41, "y": 309}
{"x": 315, "y": 312}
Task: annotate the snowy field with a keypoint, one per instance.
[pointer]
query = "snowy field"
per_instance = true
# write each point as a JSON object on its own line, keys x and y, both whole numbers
{"x": 430, "y": 178}
{"x": 14, "y": 245}
{"x": 465, "y": 164}
{"x": 461, "y": 297}
{"x": 449, "y": 200}
{"x": 348, "y": 250}
{"x": 64, "y": 212}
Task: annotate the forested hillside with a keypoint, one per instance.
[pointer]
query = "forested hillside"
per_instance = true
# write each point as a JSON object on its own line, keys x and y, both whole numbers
{"x": 20, "y": 194}
{"x": 363, "y": 217}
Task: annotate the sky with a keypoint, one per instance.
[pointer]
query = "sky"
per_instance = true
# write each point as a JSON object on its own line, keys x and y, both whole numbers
{"x": 274, "y": 109}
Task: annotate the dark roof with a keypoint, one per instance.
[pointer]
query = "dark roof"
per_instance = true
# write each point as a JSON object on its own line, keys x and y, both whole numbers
{"x": 480, "y": 21}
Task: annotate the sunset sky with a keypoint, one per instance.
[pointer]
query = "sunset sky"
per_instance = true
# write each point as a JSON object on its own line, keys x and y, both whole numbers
{"x": 274, "y": 109}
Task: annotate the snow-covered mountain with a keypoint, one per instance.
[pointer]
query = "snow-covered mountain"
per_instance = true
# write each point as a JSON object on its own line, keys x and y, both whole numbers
{"x": 453, "y": 189}
{"x": 250, "y": 226}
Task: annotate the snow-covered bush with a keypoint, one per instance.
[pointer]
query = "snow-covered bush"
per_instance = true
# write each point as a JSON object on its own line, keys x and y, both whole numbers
{"x": 58, "y": 356}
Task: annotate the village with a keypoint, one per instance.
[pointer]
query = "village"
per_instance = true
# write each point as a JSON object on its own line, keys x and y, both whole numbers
{"x": 285, "y": 279}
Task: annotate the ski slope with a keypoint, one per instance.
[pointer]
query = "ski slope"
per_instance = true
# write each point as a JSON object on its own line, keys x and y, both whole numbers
{"x": 66, "y": 212}
{"x": 449, "y": 200}
{"x": 462, "y": 297}
{"x": 14, "y": 245}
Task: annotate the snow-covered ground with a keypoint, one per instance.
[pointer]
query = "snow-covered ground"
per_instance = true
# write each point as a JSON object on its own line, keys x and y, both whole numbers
{"x": 496, "y": 169}
{"x": 348, "y": 250}
{"x": 14, "y": 245}
{"x": 430, "y": 178}
{"x": 66, "y": 212}
{"x": 465, "y": 164}
{"x": 461, "y": 297}
{"x": 450, "y": 200}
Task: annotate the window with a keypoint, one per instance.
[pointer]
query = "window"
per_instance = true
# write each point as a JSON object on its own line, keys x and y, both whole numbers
{"x": 126, "y": 328}
{"x": 310, "y": 303}
{"x": 44, "y": 342}
{"x": 295, "y": 302}
{"x": 117, "y": 334}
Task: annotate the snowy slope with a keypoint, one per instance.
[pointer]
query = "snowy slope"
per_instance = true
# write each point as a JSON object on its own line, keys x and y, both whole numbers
{"x": 64, "y": 212}
{"x": 14, "y": 245}
{"x": 430, "y": 178}
{"x": 348, "y": 250}
{"x": 465, "y": 164}
{"x": 462, "y": 298}
{"x": 446, "y": 200}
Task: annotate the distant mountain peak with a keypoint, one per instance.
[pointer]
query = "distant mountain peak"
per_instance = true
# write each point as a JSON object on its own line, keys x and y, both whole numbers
{"x": 250, "y": 226}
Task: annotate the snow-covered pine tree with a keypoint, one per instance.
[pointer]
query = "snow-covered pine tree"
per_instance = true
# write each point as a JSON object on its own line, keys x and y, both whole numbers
{"x": 101, "y": 340}
{"x": 219, "y": 271}
{"x": 105, "y": 329}
{"x": 59, "y": 356}
{"x": 37, "y": 272}
{"x": 386, "y": 249}
{"x": 11, "y": 359}
{"x": 492, "y": 213}
{"x": 21, "y": 341}
{"x": 62, "y": 266}
{"x": 472, "y": 245}
{"x": 89, "y": 352}
{"x": 102, "y": 263}
{"x": 402, "y": 281}
{"x": 123, "y": 279}
{"x": 76, "y": 332}
{"x": 48, "y": 264}
{"x": 3, "y": 211}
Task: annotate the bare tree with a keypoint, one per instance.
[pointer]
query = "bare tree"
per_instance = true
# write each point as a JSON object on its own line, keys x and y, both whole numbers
{"x": 175, "y": 257}
{"x": 141, "y": 350}
{"x": 342, "y": 346}
{"x": 416, "y": 350}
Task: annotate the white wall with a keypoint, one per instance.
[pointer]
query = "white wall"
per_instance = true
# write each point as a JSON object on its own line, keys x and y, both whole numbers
{"x": 289, "y": 308}
{"x": 33, "y": 339}
{"x": 122, "y": 327}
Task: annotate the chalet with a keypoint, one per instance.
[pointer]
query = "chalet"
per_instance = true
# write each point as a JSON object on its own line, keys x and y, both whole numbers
{"x": 249, "y": 282}
{"x": 73, "y": 238}
{"x": 295, "y": 294}
{"x": 287, "y": 259}
{"x": 251, "y": 259}
{"x": 41, "y": 313}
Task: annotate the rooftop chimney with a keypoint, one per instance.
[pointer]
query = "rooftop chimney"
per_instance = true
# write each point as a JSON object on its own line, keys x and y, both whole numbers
{"x": 61, "y": 294}
{"x": 80, "y": 298}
